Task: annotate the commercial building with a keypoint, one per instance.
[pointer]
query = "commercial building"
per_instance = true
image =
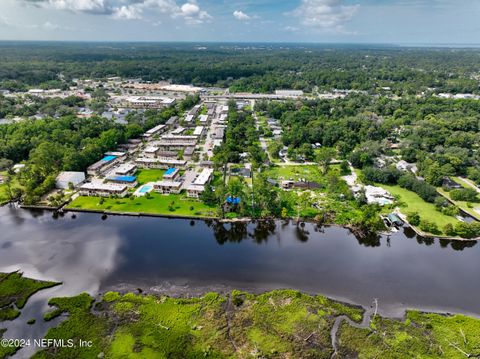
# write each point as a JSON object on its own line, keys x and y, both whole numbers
{"x": 167, "y": 187}
{"x": 289, "y": 93}
{"x": 198, "y": 186}
{"x": 103, "y": 189}
{"x": 64, "y": 179}
{"x": 149, "y": 102}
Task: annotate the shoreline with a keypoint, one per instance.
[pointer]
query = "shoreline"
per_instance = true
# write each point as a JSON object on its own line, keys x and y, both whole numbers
{"x": 65, "y": 209}
{"x": 187, "y": 291}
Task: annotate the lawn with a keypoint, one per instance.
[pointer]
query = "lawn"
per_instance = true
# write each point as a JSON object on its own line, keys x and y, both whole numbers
{"x": 146, "y": 176}
{"x": 310, "y": 172}
{"x": 411, "y": 202}
{"x": 3, "y": 188}
{"x": 156, "y": 204}
{"x": 462, "y": 204}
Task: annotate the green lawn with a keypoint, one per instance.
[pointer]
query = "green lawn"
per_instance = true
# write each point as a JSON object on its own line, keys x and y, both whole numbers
{"x": 411, "y": 202}
{"x": 146, "y": 176}
{"x": 3, "y": 188}
{"x": 462, "y": 204}
{"x": 310, "y": 172}
{"x": 157, "y": 204}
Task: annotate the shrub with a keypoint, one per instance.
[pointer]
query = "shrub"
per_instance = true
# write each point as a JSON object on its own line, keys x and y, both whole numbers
{"x": 449, "y": 230}
{"x": 384, "y": 175}
{"x": 427, "y": 192}
{"x": 413, "y": 218}
{"x": 465, "y": 195}
{"x": 468, "y": 230}
{"x": 429, "y": 227}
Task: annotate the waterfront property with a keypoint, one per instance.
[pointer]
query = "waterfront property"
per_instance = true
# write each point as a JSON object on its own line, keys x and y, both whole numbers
{"x": 66, "y": 179}
{"x": 168, "y": 187}
{"x": 156, "y": 204}
{"x": 103, "y": 189}
{"x": 198, "y": 185}
{"x": 130, "y": 181}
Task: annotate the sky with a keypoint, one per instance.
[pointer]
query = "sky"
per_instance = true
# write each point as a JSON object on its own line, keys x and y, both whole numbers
{"x": 323, "y": 21}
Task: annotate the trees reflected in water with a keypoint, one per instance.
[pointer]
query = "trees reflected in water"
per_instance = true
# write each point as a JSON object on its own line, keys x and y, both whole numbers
{"x": 261, "y": 231}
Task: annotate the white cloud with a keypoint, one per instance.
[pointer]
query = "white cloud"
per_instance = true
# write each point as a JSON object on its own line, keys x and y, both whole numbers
{"x": 94, "y": 6}
{"x": 130, "y": 12}
{"x": 325, "y": 14}
{"x": 240, "y": 15}
{"x": 50, "y": 26}
{"x": 192, "y": 14}
{"x": 291, "y": 28}
{"x": 130, "y": 9}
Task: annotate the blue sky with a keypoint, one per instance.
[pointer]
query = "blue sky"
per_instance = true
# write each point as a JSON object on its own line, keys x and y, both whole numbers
{"x": 348, "y": 21}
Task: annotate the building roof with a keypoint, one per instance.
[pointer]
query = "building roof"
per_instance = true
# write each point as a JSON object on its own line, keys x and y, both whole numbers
{"x": 128, "y": 179}
{"x": 155, "y": 129}
{"x": 204, "y": 177}
{"x": 70, "y": 176}
{"x": 108, "y": 158}
{"x": 198, "y": 130}
{"x": 170, "y": 171}
{"x": 189, "y": 151}
{"x": 174, "y": 184}
{"x": 126, "y": 167}
{"x": 100, "y": 186}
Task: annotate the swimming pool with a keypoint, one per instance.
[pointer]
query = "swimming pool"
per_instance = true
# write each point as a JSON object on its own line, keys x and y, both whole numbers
{"x": 145, "y": 189}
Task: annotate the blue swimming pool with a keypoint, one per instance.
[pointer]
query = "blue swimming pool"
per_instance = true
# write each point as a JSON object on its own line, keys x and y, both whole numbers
{"x": 145, "y": 189}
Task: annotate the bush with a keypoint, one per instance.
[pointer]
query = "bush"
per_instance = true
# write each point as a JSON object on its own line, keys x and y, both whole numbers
{"x": 468, "y": 230}
{"x": 413, "y": 218}
{"x": 427, "y": 192}
{"x": 385, "y": 175}
{"x": 449, "y": 230}
{"x": 429, "y": 227}
{"x": 465, "y": 195}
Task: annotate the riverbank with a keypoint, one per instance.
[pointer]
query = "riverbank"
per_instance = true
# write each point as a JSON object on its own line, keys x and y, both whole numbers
{"x": 238, "y": 324}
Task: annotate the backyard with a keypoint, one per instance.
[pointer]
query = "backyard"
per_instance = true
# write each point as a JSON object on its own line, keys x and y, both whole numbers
{"x": 411, "y": 202}
{"x": 173, "y": 205}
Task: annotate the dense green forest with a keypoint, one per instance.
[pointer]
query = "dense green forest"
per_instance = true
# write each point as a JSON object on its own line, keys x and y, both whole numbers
{"x": 257, "y": 68}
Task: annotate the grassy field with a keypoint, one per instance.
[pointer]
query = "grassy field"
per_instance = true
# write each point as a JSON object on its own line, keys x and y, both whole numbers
{"x": 309, "y": 172}
{"x": 146, "y": 176}
{"x": 411, "y": 202}
{"x": 156, "y": 204}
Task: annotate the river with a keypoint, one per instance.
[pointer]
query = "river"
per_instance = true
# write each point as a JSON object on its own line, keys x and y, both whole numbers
{"x": 182, "y": 257}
